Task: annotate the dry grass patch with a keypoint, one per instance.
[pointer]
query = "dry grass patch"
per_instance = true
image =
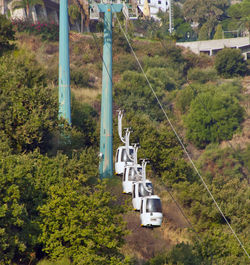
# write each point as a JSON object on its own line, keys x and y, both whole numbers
{"x": 86, "y": 95}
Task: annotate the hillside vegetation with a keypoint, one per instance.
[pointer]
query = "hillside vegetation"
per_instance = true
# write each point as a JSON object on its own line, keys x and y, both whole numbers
{"x": 53, "y": 207}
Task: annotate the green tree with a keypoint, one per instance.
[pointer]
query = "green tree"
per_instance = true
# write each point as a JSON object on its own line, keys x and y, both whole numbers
{"x": 241, "y": 11}
{"x": 227, "y": 180}
{"x": 202, "y": 75}
{"x": 230, "y": 62}
{"x": 218, "y": 32}
{"x": 204, "y": 33}
{"x": 26, "y": 182}
{"x": 82, "y": 223}
{"x": 6, "y": 34}
{"x": 133, "y": 93}
{"x": 19, "y": 198}
{"x": 212, "y": 118}
{"x": 202, "y": 12}
{"x": 28, "y": 108}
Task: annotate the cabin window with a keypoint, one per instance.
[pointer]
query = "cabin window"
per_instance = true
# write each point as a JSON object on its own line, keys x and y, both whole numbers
{"x": 117, "y": 155}
{"x": 125, "y": 157}
{"x": 139, "y": 170}
{"x": 141, "y": 206}
{"x": 124, "y": 173}
{"x": 133, "y": 192}
{"x": 131, "y": 174}
{"x": 153, "y": 205}
{"x": 143, "y": 192}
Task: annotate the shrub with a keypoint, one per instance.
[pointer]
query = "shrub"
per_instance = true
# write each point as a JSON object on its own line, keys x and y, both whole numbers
{"x": 230, "y": 62}
{"x": 202, "y": 75}
{"x": 28, "y": 108}
{"x": 184, "y": 98}
{"x": 160, "y": 79}
{"x": 6, "y": 34}
{"x": 79, "y": 78}
{"x": 213, "y": 117}
{"x": 125, "y": 63}
{"x": 82, "y": 221}
{"x": 204, "y": 33}
{"x": 47, "y": 31}
{"x": 218, "y": 33}
{"x": 133, "y": 93}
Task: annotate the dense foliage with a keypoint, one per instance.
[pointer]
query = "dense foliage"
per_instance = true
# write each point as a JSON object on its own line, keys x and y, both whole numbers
{"x": 82, "y": 223}
{"x": 38, "y": 194}
{"x": 212, "y": 118}
{"x": 6, "y": 35}
{"x": 28, "y": 107}
{"x": 230, "y": 62}
{"x": 52, "y": 205}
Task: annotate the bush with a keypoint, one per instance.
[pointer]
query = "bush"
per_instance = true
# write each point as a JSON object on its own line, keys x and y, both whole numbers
{"x": 6, "y": 34}
{"x": 28, "y": 109}
{"x": 133, "y": 93}
{"x": 202, "y": 75}
{"x": 82, "y": 221}
{"x": 161, "y": 79}
{"x": 184, "y": 98}
{"x": 47, "y": 31}
{"x": 79, "y": 78}
{"x": 230, "y": 62}
{"x": 213, "y": 118}
{"x": 125, "y": 63}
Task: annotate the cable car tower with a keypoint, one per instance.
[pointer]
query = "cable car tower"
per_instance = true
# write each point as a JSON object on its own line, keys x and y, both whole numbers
{"x": 106, "y": 132}
{"x": 64, "y": 76}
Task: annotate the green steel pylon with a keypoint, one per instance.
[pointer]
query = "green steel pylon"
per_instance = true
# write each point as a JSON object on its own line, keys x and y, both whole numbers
{"x": 64, "y": 76}
{"x": 106, "y": 132}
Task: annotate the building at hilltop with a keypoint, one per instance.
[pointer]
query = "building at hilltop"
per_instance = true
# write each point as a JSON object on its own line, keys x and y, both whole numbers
{"x": 154, "y": 6}
{"x": 48, "y": 12}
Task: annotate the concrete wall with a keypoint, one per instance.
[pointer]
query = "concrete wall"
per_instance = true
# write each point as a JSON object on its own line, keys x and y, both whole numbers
{"x": 211, "y": 47}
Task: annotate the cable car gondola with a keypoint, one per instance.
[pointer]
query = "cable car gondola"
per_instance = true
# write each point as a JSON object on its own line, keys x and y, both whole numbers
{"x": 138, "y": 191}
{"x": 151, "y": 211}
{"x": 121, "y": 158}
{"x": 131, "y": 173}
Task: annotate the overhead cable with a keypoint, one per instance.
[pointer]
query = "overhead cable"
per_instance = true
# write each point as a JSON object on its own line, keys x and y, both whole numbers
{"x": 182, "y": 144}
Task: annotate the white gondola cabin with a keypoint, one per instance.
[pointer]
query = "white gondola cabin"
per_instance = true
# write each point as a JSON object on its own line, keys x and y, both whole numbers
{"x": 151, "y": 211}
{"x": 138, "y": 192}
{"x": 121, "y": 158}
{"x": 131, "y": 174}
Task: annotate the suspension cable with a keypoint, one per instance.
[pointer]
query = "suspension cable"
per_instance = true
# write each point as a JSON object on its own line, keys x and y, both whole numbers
{"x": 171, "y": 195}
{"x": 181, "y": 142}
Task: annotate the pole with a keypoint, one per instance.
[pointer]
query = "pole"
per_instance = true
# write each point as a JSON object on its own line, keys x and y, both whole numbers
{"x": 106, "y": 133}
{"x": 64, "y": 76}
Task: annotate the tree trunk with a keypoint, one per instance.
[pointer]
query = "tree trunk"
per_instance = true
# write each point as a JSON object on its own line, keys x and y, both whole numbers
{"x": 82, "y": 23}
{"x": 28, "y": 11}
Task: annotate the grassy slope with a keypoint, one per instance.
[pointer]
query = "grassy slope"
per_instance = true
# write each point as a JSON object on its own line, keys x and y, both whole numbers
{"x": 141, "y": 244}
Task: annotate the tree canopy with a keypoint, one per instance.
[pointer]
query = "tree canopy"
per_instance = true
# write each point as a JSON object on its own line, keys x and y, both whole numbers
{"x": 28, "y": 107}
{"x": 230, "y": 62}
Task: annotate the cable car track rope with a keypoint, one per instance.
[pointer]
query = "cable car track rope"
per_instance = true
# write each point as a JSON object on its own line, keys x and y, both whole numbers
{"x": 171, "y": 195}
{"x": 181, "y": 142}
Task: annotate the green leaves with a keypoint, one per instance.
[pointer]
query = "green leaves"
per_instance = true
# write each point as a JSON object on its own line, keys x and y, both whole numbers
{"x": 60, "y": 201}
{"x": 82, "y": 224}
{"x": 230, "y": 62}
{"x": 213, "y": 116}
{"x": 6, "y": 35}
{"x": 28, "y": 108}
